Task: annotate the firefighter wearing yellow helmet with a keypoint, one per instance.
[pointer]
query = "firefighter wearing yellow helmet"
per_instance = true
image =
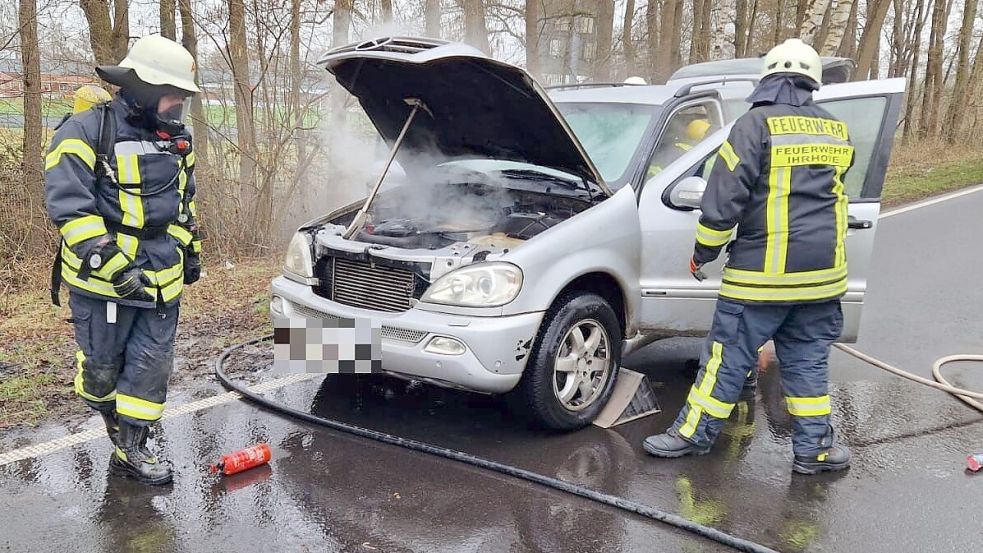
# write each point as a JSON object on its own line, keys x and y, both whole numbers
{"x": 119, "y": 184}
{"x": 776, "y": 196}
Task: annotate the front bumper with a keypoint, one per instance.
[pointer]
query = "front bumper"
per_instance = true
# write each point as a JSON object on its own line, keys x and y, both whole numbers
{"x": 497, "y": 348}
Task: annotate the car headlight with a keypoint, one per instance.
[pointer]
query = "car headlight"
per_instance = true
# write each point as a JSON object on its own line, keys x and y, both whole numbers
{"x": 482, "y": 285}
{"x": 298, "y": 261}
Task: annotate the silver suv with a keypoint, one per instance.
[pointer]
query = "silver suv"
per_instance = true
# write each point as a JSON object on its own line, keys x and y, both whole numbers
{"x": 533, "y": 239}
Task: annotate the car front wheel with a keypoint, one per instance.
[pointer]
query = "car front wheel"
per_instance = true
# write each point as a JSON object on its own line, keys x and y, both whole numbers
{"x": 574, "y": 363}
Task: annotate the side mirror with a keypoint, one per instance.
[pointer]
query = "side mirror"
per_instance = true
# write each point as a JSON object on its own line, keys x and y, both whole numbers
{"x": 688, "y": 193}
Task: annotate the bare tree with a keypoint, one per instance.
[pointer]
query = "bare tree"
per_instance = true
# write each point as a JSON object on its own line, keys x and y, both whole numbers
{"x": 934, "y": 79}
{"x": 778, "y": 20}
{"x": 837, "y": 27}
{"x": 601, "y": 65}
{"x": 475, "y": 28}
{"x": 386, "y": 7}
{"x": 100, "y": 30}
{"x": 627, "y": 42}
{"x": 814, "y": 17}
{"x": 697, "y": 45}
{"x": 953, "y": 122}
{"x": 871, "y": 38}
{"x": 652, "y": 37}
{"x": 168, "y": 27}
{"x": 189, "y": 39}
{"x": 243, "y": 91}
{"x": 431, "y": 14}
{"x": 919, "y": 24}
{"x": 31, "y": 62}
{"x": 121, "y": 28}
{"x": 669, "y": 35}
{"x": 725, "y": 9}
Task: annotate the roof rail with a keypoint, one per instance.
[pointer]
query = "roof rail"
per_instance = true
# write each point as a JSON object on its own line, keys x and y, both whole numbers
{"x": 685, "y": 89}
{"x": 589, "y": 85}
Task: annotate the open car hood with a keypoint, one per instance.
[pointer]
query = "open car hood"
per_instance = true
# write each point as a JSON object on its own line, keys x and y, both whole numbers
{"x": 475, "y": 107}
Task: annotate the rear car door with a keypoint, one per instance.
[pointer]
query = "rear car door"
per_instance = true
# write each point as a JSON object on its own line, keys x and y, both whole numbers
{"x": 674, "y": 304}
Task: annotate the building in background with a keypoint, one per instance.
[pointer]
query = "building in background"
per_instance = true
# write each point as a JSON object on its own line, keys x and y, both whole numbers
{"x": 568, "y": 44}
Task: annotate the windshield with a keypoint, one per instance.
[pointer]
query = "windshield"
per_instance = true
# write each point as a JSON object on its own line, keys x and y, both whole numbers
{"x": 611, "y": 133}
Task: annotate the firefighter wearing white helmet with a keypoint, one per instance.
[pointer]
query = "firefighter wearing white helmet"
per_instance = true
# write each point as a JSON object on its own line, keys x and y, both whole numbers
{"x": 120, "y": 186}
{"x": 775, "y": 199}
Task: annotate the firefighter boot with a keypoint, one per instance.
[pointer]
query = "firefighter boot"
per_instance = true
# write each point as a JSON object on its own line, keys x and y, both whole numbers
{"x": 837, "y": 457}
{"x": 132, "y": 458}
{"x": 670, "y": 445}
{"x": 112, "y": 425}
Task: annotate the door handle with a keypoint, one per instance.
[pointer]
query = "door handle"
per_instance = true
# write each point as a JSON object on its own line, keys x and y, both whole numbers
{"x": 855, "y": 223}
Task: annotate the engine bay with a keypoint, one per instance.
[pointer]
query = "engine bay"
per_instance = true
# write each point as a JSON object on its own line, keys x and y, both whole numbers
{"x": 437, "y": 216}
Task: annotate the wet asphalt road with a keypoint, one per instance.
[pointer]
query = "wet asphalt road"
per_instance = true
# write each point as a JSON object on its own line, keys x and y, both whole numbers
{"x": 326, "y": 491}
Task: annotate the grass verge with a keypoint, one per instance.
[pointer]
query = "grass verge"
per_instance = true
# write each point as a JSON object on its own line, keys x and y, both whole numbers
{"x": 229, "y": 304}
{"x": 922, "y": 169}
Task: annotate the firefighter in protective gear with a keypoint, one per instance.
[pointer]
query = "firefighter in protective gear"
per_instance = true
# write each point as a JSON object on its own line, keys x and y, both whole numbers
{"x": 777, "y": 187}
{"x": 119, "y": 185}
{"x": 682, "y": 138}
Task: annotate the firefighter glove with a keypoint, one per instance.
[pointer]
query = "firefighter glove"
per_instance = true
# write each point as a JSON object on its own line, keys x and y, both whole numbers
{"x": 192, "y": 267}
{"x": 130, "y": 282}
{"x": 696, "y": 269}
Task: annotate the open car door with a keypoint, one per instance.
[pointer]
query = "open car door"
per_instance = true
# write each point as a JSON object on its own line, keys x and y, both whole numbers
{"x": 673, "y": 302}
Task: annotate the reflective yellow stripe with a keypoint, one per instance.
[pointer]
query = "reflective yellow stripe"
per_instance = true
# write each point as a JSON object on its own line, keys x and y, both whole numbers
{"x": 797, "y": 124}
{"x": 706, "y": 387}
{"x": 842, "y": 216}
{"x": 71, "y": 146}
{"x": 83, "y": 228}
{"x": 128, "y": 172}
{"x": 809, "y": 293}
{"x": 173, "y": 289}
{"x": 95, "y": 286}
{"x": 128, "y": 244}
{"x": 808, "y": 406}
{"x": 776, "y": 250}
{"x": 738, "y": 276}
{"x": 712, "y": 237}
{"x": 80, "y": 382}
{"x": 182, "y": 235}
{"x": 711, "y": 405}
{"x": 137, "y": 408}
{"x": 794, "y": 155}
{"x": 196, "y": 246}
{"x": 729, "y": 156}
{"x": 113, "y": 266}
{"x": 190, "y": 160}
{"x": 193, "y": 208}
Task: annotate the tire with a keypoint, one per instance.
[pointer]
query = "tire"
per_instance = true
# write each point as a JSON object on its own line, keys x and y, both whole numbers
{"x": 550, "y": 399}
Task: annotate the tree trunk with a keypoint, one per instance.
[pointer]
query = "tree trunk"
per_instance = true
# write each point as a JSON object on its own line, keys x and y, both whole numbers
{"x": 848, "y": 46}
{"x": 934, "y": 80}
{"x": 627, "y": 43}
{"x": 695, "y": 49}
{"x": 953, "y": 123}
{"x": 652, "y": 38}
{"x": 31, "y": 63}
{"x": 604, "y": 31}
{"x": 431, "y": 17}
{"x": 801, "y": 10}
{"x": 342, "y": 22}
{"x": 200, "y": 125}
{"x": 725, "y": 10}
{"x": 748, "y": 46}
{"x": 386, "y": 7}
{"x": 296, "y": 76}
{"x": 813, "y": 20}
{"x": 167, "y": 23}
{"x": 916, "y": 49}
{"x": 100, "y": 30}
{"x": 779, "y": 26}
{"x": 533, "y": 19}
{"x": 869, "y": 41}
{"x": 837, "y": 27}
{"x": 740, "y": 28}
{"x": 475, "y": 29}
{"x": 239, "y": 60}
{"x": 675, "y": 45}
{"x": 121, "y": 28}
{"x": 897, "y": 50}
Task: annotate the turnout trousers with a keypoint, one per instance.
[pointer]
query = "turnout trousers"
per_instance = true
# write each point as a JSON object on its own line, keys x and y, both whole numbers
{"x": 123, "y": 365}
{"x": 803, "y": 334}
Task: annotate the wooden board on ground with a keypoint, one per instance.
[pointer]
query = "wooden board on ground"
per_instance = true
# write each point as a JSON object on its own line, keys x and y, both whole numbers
{"x": 632, "y": 398}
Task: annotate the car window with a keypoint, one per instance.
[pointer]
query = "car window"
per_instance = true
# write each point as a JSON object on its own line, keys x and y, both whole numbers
{"x": 685, "y": 129}
{"x": 610, "y": 133}
{"x": 863, "y": 118}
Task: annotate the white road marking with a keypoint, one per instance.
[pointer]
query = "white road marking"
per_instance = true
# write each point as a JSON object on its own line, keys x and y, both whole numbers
{"x": 71, "y": 440}
{"x": 931, "y": 201}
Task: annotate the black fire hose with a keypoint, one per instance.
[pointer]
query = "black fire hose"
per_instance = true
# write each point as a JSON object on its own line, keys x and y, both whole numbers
{"x": 509, "y": 470}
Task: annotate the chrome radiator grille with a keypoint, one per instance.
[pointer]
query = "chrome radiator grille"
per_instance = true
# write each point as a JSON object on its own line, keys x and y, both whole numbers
{"x": 362, "y": 284}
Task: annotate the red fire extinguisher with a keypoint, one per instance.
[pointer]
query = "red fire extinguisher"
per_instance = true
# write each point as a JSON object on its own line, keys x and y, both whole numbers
{"x": 244, "y": 459}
